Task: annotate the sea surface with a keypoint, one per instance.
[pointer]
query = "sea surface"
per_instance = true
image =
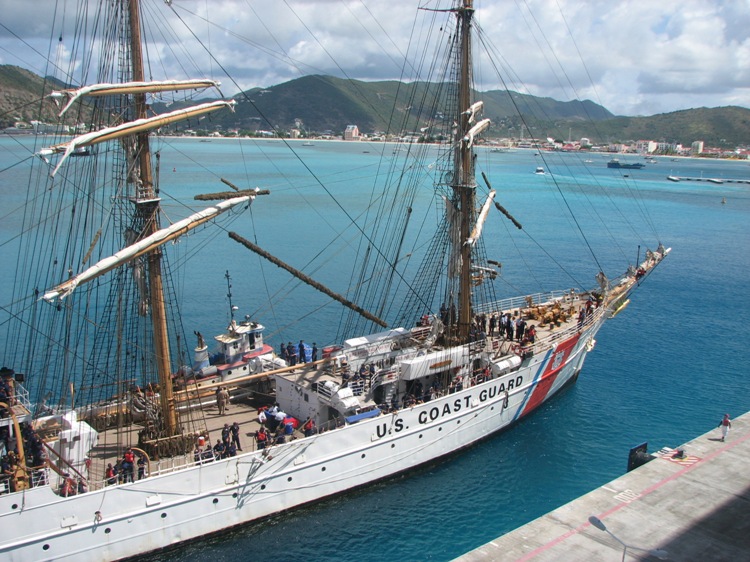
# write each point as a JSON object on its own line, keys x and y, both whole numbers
{"x": 662, "y": 372}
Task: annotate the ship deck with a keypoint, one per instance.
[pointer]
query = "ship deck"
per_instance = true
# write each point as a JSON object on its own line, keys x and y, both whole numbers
{"x": 243, "y": 406}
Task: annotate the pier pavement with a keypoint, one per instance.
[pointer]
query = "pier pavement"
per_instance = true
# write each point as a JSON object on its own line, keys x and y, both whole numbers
{"x": 683, "y": 509}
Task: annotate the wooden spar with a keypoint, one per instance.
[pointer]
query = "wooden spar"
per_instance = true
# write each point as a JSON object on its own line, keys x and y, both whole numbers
{"x": 502, "y": 209}
{"x": 147, "y": 245}
{"x": 131, "y": 88}
{"x": 230, "y": 194}
{"x": 464, "y": 186}
{"x": 184, "y": 393}
{"x": 230, "y": 184}
{"x": 302, "y": 277}
{"x": 147, "y": 207}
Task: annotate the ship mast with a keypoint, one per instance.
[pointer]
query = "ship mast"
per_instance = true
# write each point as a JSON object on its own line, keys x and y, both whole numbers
{"x": 464, "y": 185}
{"x": 147, "y": 209}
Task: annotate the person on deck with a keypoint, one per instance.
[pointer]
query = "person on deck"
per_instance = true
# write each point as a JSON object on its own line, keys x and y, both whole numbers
{"x": 509, "y": 327}
{"x": 236, "y": 435}
{"x": 261, "y": 437}
{"x": 110, "y": 475}
{"x": 222, "y": 400}
{"x": 219, "y": 449}
{"x": 128, "y": 464}
{"x": 309, "y": 427}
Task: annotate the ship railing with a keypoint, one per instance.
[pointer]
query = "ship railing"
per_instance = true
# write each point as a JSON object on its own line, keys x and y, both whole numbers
{"x": 523, "y": 302}
{"x": 173, "y": 464}
{"x": 383, "y": 377}
{"x": 22, "y": 396}
{"x": 38, "y": 476}
{"x": 357, "y": 385}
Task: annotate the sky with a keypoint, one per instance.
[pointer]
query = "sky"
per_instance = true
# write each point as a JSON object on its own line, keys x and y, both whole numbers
{"x": 634, "y": 57}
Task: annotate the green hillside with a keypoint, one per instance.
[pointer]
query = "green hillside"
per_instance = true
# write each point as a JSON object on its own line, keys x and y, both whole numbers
{"x": 323, "y": 103}
{"x": 22, "y": 97}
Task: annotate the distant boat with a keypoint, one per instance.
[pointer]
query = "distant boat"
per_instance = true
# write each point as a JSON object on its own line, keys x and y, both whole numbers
{"x": 499, "y": 149}
{"x": 715, "y": 180}
{"x": 723, "y": 200}
{"x": 615, "y": 163}
{"x": 539, "y": 170}
{"x": 308, "y": 143}
{"x": 673, "y": 178}
{"x": 587, "y": 161}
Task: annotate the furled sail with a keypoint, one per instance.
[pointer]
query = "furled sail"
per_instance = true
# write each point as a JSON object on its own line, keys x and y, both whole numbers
{"x": 108, "y": 89}
{"x": 477, "y": 232}
{"x": 474, "y": 110}
{"x": 142, "y": 247}
{"x": 129, "y": 128}
{"x": 474, "y": 131}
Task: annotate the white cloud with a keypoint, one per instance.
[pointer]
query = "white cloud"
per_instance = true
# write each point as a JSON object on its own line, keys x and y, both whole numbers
{"x": 632, "y": 56}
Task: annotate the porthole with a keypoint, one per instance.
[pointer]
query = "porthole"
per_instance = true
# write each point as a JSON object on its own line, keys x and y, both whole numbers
{"x": 289, "y": 479}
{"x": 45, "y": 547}
{"x": 393, "y": 445}
{"x": 458, "y": 422}
{"x": 163, "y": 515}
{"x": 420, "y": 436}
{"x": 323, "y": 469}
{"x": 14, "y": 506}
{"x": 363, "y": 455}
{"x": 216, "y": 500}
{"x": 107, "y": 530}
{"x": 440, "y": 429}
{"x": 234, "y": 495}
{"x": 262, "y": 486}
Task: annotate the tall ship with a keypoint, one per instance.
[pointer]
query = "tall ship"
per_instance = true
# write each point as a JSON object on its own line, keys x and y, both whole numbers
{"x": 109, "y": 443}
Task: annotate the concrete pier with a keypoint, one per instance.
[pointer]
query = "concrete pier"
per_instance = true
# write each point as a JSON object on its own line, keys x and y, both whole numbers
{"x": 691, "y": 508}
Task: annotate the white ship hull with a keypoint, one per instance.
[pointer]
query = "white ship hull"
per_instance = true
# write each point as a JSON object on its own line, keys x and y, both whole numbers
{"x": 157, "y": 512}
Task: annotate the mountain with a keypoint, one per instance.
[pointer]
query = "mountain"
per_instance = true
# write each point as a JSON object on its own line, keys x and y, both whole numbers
{"x": 22, "y": 97}
{"x": 323, "y": 103}
{"x": 717, "y": 126}
{"x": 327, "y": 103}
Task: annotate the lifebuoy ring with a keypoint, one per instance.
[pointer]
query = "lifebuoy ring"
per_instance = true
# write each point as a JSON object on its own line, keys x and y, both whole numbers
{"x": 517, "y": 349}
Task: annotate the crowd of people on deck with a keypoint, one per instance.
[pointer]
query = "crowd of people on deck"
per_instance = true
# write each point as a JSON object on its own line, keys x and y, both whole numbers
{"x": 276, "y": 427}
{"x": 227, "y": 446}
{"x": 512, "y": 327}
{"x": 34, "y": 455}
{"x": 298, "y": 354}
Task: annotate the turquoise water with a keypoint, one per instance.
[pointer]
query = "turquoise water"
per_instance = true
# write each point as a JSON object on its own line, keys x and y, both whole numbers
{"x": 663, "y": 371}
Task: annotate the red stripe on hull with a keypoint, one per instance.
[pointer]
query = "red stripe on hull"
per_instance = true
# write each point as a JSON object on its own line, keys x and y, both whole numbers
{"x": 557, "y": 361}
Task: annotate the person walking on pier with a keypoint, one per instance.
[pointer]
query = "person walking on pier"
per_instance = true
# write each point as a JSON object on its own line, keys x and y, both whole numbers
{"x": 725, "y": 424}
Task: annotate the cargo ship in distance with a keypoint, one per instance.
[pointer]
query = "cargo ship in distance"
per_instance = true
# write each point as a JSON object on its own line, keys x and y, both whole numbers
{"x": 615, "y": 163}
